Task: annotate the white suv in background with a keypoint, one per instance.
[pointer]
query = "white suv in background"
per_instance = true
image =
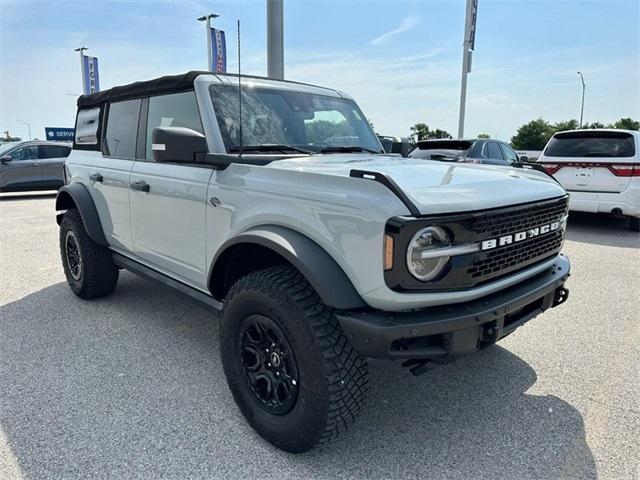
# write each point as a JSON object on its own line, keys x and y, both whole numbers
{"x": 599, "y": 168}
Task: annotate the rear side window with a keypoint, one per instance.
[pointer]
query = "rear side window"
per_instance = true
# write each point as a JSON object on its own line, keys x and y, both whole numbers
{"x": 591, "y": 144}
{"x": 493, "y": 151}
{"x": 87, "y": 123}
{"x": 509, "y": 154}
{"x": 175, "y": 110}
{"x": 122, "y": 129}
{"x": 53, "y": 151}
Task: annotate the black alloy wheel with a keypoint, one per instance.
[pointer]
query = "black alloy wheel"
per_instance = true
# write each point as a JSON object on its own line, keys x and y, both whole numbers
{"x": 269, "y": 364}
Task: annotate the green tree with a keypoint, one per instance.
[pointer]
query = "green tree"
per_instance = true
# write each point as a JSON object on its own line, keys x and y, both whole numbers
{"x": 532, "y": 136}
{"x": 566, "y": 125}
{"x": 421, "y": 131}
{"x": 594, "y": 125}
{"x": 626, "y": 124}
{"x": 484, "y": 135}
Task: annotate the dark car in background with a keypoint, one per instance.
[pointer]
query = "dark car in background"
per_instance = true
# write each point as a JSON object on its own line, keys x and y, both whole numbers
{"x": 32, "y": 165}
{"x": 475, "y": 150}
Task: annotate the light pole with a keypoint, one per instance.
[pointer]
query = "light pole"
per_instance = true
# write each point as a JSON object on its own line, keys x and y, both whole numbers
{"x": 275, "y": 39}
{"x": 582, "y": 106}
{"x": 207, "y": 20}
{"x": 468, "y": 45}
{"x": 28, "y": 127}
{"x": 84, "y": 83}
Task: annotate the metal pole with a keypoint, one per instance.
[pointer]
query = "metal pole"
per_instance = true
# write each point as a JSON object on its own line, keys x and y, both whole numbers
{"x": 467, "y": 46}
{"x": 28, "y": 127}
{"x": 209, "y": 46}
{"x": 84, "y": 83}
{"x": 275, "y": 39}
{"x": 582, "y": 105}
{"x": 207, "y": 25}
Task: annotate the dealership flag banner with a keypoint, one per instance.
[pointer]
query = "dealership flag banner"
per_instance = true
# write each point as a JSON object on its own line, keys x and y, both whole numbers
{"x": 218, "y": 51}
{"x": 90, "y": 80}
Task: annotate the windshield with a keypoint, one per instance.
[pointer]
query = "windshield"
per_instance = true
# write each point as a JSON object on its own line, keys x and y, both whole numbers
{"x": 591, "y": 144}
{"x": 4, "y": 148}
{"x": 307, "y": 121}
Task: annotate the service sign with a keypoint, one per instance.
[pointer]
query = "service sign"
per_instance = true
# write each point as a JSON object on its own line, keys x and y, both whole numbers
{"x": 218, "y": 51}
{"x": 59, "y": 134}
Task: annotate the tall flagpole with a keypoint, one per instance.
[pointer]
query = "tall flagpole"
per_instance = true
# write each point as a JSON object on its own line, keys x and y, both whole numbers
{"x": 207, "y": 23}
{"x": 82, "y": 75}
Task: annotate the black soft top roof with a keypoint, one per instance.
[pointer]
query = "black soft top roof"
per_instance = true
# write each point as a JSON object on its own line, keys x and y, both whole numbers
{"x": 157, "y": 86}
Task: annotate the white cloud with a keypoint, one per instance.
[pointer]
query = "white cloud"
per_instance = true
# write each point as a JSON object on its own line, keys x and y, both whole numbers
{"x": 407, "y": 24}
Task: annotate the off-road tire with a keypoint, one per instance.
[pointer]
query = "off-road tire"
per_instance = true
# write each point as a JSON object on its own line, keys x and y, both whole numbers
{"x": 98, "y": 274}
{"x": 634, "y": 224}
{"x": 333, "y": 378}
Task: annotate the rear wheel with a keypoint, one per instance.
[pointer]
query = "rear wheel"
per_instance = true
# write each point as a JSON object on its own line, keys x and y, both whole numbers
{"x": 292, "y": 371}
{"x": 89, "y": 268}
{"x": 634, "y": 224}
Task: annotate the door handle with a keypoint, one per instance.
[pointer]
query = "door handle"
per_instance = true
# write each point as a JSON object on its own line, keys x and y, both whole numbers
{"x": 96, "y": 177}
{"x": 141, "y": 186}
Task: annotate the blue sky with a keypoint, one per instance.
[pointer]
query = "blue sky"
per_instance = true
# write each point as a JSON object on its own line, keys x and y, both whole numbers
{"x": 400, "y": 60}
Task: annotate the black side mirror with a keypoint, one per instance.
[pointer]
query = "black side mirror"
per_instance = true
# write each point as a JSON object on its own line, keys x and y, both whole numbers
{"x": 177, "y": 144}
{"x": 6, "y": 159}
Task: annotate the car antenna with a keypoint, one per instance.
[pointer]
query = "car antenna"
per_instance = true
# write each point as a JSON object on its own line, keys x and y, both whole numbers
{"x": 239, "y": 95}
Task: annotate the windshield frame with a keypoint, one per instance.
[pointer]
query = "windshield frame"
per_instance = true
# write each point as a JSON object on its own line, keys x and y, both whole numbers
{"x": 363, "y": 132}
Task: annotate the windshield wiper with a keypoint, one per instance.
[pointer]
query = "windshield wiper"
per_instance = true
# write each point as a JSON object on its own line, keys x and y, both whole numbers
{"x": 269, "y": 147}
{"x": 349, "y": 149}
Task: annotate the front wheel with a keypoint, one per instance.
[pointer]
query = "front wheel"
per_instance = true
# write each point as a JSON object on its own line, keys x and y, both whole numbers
{"x": 291, "y": 369}
{"x": 89, "y": 268}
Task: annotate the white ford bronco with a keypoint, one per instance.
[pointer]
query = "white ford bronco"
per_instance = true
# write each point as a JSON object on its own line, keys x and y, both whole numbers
{"x": 315, "y": 248}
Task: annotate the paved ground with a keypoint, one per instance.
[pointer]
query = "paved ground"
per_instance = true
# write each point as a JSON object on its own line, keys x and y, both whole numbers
{"x": 132, "y": 387}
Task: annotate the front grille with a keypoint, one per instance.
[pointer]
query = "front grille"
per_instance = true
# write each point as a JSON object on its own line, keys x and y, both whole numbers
{"x": 517, "y": 220}
{"x": 513, "y": 257}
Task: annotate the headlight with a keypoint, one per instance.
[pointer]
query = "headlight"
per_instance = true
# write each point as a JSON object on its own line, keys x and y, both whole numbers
{"x": 423, "y": 259}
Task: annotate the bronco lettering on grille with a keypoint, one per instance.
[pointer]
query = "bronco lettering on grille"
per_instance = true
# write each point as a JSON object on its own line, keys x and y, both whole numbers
{"x": 519, "y": 236}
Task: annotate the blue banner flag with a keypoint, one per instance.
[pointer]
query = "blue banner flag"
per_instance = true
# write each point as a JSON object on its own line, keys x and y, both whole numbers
{"x": 62, "y": 134}
{"x": 90, "y": 78}
{"x": 218, "y": 51}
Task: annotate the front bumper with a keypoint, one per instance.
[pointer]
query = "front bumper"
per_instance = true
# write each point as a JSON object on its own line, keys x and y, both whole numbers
{"x": 448, "y": 331}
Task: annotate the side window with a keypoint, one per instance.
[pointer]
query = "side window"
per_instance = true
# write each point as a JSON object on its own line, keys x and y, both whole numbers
{"x": 122, "y": 129}
{"x": 493, "y": 151}
{"x": 25, "y": 153}
{"x": 175, "y": 110}
{"x": 53, "y": 151}
{"x": 509, "y": 155}
{"x": 87, "y": 124}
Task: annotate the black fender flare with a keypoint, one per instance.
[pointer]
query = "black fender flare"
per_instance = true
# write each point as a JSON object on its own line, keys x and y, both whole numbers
{"x": 320, "y": 269}
{"x": 76, "y": 195}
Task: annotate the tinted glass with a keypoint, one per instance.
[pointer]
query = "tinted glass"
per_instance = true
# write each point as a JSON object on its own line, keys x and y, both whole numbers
{"x": 444, "y": 145}
{"x": 25, "y": 153}
{"x": 276, "y": 116}
{"x": 53, "y": 151}
{"x": 177, "y": 110}
{"x": 493, "y": 151}
{"x": 591, "y": 144}
{"x": 122, "y": 129}
{"x": 509, "y": 154}
{"x": 87, "y": 126}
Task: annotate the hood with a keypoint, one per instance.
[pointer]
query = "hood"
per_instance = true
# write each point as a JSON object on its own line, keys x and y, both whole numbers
{"x": 437, "y": 187}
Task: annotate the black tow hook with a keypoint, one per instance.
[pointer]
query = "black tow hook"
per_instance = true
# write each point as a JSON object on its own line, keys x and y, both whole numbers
{"x": 561, "y": 296}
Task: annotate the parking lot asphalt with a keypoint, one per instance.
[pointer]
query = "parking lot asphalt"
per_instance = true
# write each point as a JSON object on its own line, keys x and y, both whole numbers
{"x": 131, "y": 386}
